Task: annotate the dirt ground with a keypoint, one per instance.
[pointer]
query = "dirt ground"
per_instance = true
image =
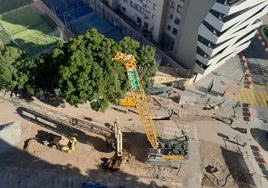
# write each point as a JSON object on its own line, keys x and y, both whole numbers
{"x": 42, "y": 166}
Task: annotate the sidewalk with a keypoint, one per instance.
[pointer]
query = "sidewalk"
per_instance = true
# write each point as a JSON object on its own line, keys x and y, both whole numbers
{"x": 224, "y": 84}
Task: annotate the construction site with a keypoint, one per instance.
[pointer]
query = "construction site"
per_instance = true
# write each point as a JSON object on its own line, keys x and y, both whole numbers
{"x": 179, "y": 134}
{"x": 170, "y": 139}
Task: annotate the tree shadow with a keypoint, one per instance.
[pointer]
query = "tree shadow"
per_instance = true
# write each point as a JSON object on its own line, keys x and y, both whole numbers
{"x": 19, "y": 168}
{"x": 261, "y": 136}
{"x": 238, "y": 168}
{"x": 98, "y": 142}
{"x": 51, "y": 99}
{"x": 36, "y": 47}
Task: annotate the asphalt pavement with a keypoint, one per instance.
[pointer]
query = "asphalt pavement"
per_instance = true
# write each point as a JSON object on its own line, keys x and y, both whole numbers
{"x": 248, "y": 107}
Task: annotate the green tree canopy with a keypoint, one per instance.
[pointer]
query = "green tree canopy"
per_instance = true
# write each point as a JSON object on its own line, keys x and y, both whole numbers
{"x": 145, "y": 59}
{"x": 89, "y": 73}
{"x": 10, "y": 75}
{"x": 82, "y": 68}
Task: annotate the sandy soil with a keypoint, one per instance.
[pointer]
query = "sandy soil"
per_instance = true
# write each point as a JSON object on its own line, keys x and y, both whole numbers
{"x": 41, "y": 166}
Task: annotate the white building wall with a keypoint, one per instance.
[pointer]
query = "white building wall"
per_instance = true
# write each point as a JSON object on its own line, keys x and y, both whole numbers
{"x": 179, "y": 25}
{"x": 232, "y": 34}
{"x": 147, "y": 14}
{"x": 185, "y": 45}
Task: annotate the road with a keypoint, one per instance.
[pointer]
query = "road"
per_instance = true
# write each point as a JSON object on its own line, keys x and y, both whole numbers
{"x": 229, "y": 87}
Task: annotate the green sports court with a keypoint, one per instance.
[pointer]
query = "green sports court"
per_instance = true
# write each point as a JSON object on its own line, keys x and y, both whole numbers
{"x": 29, "y": 30}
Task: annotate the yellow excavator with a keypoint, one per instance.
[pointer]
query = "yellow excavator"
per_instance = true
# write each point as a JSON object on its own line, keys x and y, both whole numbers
{"x": 162, "y": 149}
{"x": 56, "y": 141}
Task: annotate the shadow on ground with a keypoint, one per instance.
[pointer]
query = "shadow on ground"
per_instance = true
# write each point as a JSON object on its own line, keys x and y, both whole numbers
{"x": 238, "y": 168}
{"x": 255, "y": 50}
{"x": 52, "y": 100}
{"x": 21, "y": 169}
{"x": 140, "y": 143}
{"x": 62, "y": 127}
{"x": 261, "y": 136}
{"x": 212, "y": 92}
{"x": 101, "y": 141}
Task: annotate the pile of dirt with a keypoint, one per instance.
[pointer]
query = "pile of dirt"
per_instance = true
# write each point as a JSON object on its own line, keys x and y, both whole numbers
{"x": 33, "y": 146}
{"x": 114, "y": 163}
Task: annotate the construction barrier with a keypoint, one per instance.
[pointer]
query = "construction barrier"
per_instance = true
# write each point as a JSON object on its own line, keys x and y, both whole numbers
{"x": 249, "y": 83}
{"x": 262, "y": 160}
{"x": 249, "y": 112}
{"x": 257, "y": 148}
{"x": 246, "y": 70}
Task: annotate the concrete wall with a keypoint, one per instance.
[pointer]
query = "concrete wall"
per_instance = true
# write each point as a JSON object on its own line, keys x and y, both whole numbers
{"x": 159, "y": 20}
{"x": 185, "y": 45}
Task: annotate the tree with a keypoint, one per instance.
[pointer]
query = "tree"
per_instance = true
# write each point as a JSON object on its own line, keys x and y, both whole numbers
{"x": 82, "y": 68}
{"x": 88, "y": 72}
{"x": 10, "y": 76}
{"x": 145, "y": 59}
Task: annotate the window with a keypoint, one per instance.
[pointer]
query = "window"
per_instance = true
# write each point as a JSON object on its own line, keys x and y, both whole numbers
{"x": 179, "y": 9}
{"x": 171, "y": 16}
{"x": 146, "y": 25}
{"x": 177, "y": 21}
{"x": 138, "y": 21}
{"x": 154, "y": 6}
{"x": 174, "y": 31}
{"x": 172, "y": 5}
{"x": 169, "y": 27}
{"x": 125, "y": 1}
{"x": 124, "y": 9}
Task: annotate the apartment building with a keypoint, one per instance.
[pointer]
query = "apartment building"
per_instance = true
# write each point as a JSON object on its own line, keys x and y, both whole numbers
{"x": 198, "y": 34}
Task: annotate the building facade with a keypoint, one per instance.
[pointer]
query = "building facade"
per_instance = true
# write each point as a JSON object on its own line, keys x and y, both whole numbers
{"x": 198, "y": 34}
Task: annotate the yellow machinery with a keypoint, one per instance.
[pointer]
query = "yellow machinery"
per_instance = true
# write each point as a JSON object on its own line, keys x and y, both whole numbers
{"x": 70, "y": 145}
{"x": 55, "y": 141}
{"x": 165, "y": 149}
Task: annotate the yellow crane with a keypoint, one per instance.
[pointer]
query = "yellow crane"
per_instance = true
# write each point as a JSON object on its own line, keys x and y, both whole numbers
{"x": 173, "y": 149}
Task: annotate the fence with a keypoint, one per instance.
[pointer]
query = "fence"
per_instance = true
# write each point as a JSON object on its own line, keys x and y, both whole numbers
{"x": 59, "y": 7}
{"x": 43, "y": 9}
{"x": 79, "y": 17}
{"x": 5, "y": 37}
{"x": 9, "y": 5}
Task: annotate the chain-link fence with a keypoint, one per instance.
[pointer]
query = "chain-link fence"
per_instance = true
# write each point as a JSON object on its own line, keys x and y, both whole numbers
{"x": 9, "y": 5}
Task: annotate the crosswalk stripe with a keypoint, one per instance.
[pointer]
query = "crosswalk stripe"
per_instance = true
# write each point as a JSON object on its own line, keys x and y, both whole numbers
{"x": 251, "y": 96}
